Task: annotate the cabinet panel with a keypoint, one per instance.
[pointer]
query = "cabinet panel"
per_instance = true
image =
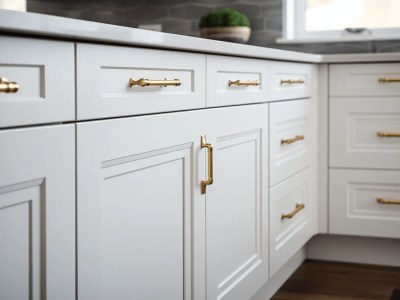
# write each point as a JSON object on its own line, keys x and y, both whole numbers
{"x": 355, "y": 127}
{"x": 354, "y": 208}
{"x": 37, "y": 207}
{"x": 105, "y": 91}
{"x": 44, "y": 71}
{"x": 290, "y": 138}
{"x": 221, "y": 70}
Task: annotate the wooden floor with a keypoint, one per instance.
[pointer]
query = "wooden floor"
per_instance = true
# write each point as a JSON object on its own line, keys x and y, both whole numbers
{"x": 316, "y": 280}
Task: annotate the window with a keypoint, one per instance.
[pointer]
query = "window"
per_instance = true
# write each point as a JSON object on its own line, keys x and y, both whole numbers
{"x": 341, "y": 20}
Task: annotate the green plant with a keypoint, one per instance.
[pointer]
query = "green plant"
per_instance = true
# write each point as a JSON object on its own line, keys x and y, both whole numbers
{"x": 225, "y": 17}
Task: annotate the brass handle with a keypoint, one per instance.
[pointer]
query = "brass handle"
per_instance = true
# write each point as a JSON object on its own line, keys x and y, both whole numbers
{"x": 142, "y": 82}
{"x": 295, "y": 139}
{"x": 7, "y": 86}
{"x": 387, "y": 201}
{"x": 241, "y": 83}
{"x": 292, "y": 81}
{"x": 388, "y": 80}
{"x": 387, "y": 134}
{"x": 298, "y": 208}
{"x": 209, "y": 147}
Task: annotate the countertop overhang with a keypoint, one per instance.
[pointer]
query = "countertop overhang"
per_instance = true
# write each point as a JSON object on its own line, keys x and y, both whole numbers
{"x": 33, "y": 24}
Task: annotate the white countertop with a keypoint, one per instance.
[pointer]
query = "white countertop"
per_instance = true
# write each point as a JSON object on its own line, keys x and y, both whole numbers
{"x": 33, "y": 24}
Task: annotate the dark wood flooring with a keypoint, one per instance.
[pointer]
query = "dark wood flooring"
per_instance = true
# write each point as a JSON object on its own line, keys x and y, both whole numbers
{"x": 318, "y": 280}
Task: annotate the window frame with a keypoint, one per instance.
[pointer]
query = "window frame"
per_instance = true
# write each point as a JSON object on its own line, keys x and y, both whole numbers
{"x": 293, "y": 14}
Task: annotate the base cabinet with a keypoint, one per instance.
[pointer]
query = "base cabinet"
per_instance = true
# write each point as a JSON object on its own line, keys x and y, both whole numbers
{"x": 37, "y": 213}
{"x": 145, "y": 229}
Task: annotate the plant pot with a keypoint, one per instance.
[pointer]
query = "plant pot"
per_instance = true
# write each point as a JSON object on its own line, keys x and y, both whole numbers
{"x": 237, "y": 34}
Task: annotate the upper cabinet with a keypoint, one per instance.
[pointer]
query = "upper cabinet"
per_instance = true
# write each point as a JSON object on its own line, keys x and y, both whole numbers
{"x": 37, "y": 82}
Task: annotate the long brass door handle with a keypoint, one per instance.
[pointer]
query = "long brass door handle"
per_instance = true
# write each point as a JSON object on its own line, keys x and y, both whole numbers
{"x": 298, "y": 208}
{"x": 243, "y": 83}
{"x": 387, "y": 201}
{"x": 387, "y": 134}
{"x": 142, "y": 82}
{"x": 295, "y": 139}
{"x": 388, "y": 80}
{"x": 7, "y": 86}
{"x": 209, "y": 181}
{"x": 292, "y": 81}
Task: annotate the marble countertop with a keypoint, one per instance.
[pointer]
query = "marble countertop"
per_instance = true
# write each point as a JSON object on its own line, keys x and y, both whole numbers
{"x": 32, "y": 24}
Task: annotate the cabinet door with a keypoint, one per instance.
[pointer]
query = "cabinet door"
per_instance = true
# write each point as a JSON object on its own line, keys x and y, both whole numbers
{"x": 37, "y": 207}
{"x": 140, "y": 210}
{"x": 237, "y": 203}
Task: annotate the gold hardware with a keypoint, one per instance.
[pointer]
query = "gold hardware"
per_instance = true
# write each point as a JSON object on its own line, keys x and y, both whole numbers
{"x": 295, "y": 139}
{"x": 386, "y": 201}
{"x": 388, "y": 80}
{"x": 142, "y": 82}
{"x": 292, "y": 81}
{"x": 298, "y": 208}
{"x": 246, "y": 83}
{"x": 7, "y": 86}
{"x": 209, "y": 181}
{"x": 387, "y": 134}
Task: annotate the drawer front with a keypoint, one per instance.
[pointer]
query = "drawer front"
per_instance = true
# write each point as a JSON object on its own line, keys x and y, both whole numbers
{"x": 44, "y": 72}
{"x": 365, "y": 80}
{"x": 289, "y": 80}
{"x": 104, "y": 74}
{"x": 365, "y": 133}
{"x": 291, "y": 224}
{"x": 354, "y": 208}
{"x": 235, "y": 80}
{"x": 290, "y": 136}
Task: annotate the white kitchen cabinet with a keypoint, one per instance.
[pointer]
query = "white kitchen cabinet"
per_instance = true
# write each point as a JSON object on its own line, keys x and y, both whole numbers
{"x": 37, "y": 213}
{"x": 145, "y": 231}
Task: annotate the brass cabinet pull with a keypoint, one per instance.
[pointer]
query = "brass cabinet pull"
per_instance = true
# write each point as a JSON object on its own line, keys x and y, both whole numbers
{"x": 142, "y": 82}
{"x": 241, "y": 83}
{"x": 387, "y": 134}
{"x": 7, "y": 86}
{"x": 388, "y": 80}
{"x": 292, "y": 81}
{"x": 209, "y": 181}
{"x": 387, "y": 201}
{"x": 298, "y": 208}
{"x": 295, "y": 139}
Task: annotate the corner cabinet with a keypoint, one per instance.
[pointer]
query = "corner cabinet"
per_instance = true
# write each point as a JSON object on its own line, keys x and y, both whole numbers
{"x": 145, "y": 229}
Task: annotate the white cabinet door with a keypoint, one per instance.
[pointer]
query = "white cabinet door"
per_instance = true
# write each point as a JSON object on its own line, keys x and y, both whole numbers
{"x": 237, "y": 203}
{"x": 37, "y": 208}
{"x": 140, "y": 210}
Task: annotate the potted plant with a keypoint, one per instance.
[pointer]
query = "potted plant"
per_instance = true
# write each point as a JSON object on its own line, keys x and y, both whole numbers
{"x": 226, "y": 25}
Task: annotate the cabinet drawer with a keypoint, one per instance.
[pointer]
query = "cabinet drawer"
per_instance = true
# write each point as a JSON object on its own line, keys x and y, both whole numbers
{"x": 289, "y": 80}
{"x": 354, "y": 207}
{"x": 365, "y": 80}
{"x": 105, "y": 72}
{"x": 44, "y": 72}
{"x": 234, "y": 80}
{"x": 365, "y": 133}
{"x": 290, "y": 218}
{"x": 289, "y": 138}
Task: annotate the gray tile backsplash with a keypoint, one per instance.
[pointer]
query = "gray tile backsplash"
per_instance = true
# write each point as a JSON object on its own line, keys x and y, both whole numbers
{"x": 182, "y": 17}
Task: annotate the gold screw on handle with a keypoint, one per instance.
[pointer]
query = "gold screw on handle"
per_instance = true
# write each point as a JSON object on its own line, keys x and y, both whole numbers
{"x": 7, "y": 86}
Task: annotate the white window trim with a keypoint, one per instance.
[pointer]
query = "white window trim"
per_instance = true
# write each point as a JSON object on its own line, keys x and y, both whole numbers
{"x": 293, "y": 15}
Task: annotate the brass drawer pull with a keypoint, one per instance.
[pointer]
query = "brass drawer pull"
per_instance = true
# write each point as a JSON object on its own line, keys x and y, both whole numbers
{"x": 243, "y": 83}
{"x": 142, "y": 82}
{"x": 387, "y": 134}
{"x": 387, "y": 201}
{"x": 388, "y": 80}
{"x": 7, "y": 86}
{"x": 295, "y": 139}
{"x": 298, "y": 208}
{"x": 210, "y": 180}
{"x": 292, "y": 81}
